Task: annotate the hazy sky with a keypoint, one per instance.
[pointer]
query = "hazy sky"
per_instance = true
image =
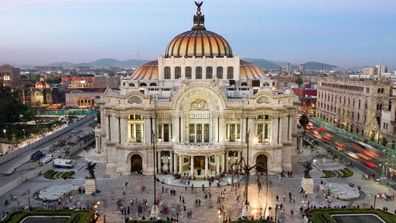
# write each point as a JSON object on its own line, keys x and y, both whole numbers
{"x": 341, "y": 32}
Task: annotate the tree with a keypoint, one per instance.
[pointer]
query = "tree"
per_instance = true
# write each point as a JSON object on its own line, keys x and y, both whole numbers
{"x": 304, "y": 120}
{"x": 384, "y": 141}
{"x": 299, "y": 81}
{"x": 11, "y": 108}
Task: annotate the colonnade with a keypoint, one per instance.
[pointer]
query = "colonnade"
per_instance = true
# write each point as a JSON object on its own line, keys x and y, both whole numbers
{"x": 185, "y": 165}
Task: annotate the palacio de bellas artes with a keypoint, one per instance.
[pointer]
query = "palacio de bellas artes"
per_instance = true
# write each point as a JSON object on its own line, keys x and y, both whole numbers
{"x": 200, "y": 105}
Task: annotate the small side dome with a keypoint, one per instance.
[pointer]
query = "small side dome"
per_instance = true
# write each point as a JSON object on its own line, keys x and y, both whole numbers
{"x": 250, "y": 71}
{"x": 147, "y": 71}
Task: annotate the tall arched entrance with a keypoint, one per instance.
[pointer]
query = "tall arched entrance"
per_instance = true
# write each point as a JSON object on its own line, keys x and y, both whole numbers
{"x": 261, "y": 162}
{"x": 136, "y": 163}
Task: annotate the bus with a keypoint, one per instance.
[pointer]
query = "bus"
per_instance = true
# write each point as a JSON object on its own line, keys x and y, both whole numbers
{"x": 63, "y": 163}
{"x": 46, "y": 160}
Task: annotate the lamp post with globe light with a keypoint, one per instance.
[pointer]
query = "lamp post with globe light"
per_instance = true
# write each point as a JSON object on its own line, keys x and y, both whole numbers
{"x": 155, "y": 212}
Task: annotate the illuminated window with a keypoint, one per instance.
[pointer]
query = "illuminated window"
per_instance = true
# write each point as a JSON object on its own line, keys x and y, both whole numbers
{"x": 233, "y": 132}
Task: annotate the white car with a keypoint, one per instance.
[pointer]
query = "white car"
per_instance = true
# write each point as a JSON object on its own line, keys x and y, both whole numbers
{"x": 352, "y": 154}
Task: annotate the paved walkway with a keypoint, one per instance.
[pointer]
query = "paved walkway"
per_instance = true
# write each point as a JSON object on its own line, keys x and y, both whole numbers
{"x": 120, "y": 190}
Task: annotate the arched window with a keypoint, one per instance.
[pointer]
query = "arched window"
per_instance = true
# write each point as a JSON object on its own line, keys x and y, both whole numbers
{"x": 244, "y": 84}
{"x": 230, "y": 73}
{"x": 153, "y": 84}
{"x": 167, "y": 73}
{"x": 188, "y": 72}
{"x": 131, "y": 85}
{"x": 209, "y": 72}
{"x": 143, "y": 85}
{"x": 177, "y": 72}
{"x": 219, "y": 72}
{"x": 198, "y": 73}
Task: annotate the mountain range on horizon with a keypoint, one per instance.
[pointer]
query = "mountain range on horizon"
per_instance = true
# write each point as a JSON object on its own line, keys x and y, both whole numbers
{"x": 134, "y": 63}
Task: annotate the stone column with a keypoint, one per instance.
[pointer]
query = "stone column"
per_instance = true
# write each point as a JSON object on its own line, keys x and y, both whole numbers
{"x": 222, "y": 126}
{"x": 119, "y": 130}
{"x": 182, "y": 129}
{"x": 147, "y": 131}
{"x": 225, "y": 161}
{"x": 109, "y": 127}
{"x": 97, "y": 144}
{"x": 171, "y": 163}
{"x": 124, "y": 130}
{"x": 174, "y": 162}
{"x": 175, "y": 129}
{"x": 192, "y": 166}
{"x": 206, "y": 166}
{"x": 274, "y": 131}
{"x": 181, "y": 160}
{"x": 217, "y": 164}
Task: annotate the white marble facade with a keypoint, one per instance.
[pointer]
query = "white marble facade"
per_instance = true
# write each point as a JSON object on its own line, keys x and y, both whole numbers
{"x": 197, "y": 122}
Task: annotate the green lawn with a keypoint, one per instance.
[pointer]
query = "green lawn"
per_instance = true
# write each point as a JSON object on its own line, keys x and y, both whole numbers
{"x": 75, "y": 216}
{"x": 340, "y": 173}
{"x": 324, "y": 215}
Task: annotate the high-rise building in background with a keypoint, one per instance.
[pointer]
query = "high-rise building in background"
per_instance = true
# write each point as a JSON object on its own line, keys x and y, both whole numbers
{"x": 376, "y": 70}
{"x": 301, "y": 68}
{"x": 288, "y": 68}
{"x": 381, "y": 69}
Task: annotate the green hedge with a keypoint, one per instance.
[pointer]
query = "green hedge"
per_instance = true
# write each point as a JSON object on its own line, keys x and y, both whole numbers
{"x": 324, "y": 215}
{"x": 349, "y": 172}
{"x": 329, "y": 174}
{"x": 75, "y": 216}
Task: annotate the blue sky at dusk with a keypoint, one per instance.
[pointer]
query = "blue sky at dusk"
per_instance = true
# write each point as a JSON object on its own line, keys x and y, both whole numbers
{"x": 342, "y": 32}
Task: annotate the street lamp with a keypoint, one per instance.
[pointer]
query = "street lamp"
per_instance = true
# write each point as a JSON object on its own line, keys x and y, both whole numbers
{"x": 24, "y": 133}
{"x": 246, "y": 168}
{"x": 375, "y": 199}
{"x": 5, "y": 133}
{"x": 155, "y": 213}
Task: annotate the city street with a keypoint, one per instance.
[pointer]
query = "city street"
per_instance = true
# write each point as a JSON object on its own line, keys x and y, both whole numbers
{"x": 366, "y": 157}
{"x": 117, "y": 192}
{"x": 22, "y": 162}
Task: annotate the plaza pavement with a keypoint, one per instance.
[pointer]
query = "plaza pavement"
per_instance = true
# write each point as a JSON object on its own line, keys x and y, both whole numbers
{"x": 114, "y": 188}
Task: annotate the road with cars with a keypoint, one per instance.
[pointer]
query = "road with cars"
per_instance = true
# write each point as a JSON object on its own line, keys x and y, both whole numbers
{"x": 367, "y": 157}
{"x": 17, "y": 166}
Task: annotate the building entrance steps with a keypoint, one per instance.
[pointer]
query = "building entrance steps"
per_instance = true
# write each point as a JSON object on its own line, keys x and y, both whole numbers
{"x": 183, "y": 182}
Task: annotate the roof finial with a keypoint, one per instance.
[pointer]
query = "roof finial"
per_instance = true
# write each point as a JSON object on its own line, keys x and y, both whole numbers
{"x": 199, "y": 18}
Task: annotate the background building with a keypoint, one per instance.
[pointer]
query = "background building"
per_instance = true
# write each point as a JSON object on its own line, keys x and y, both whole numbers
{"x": 388, "y": 124}
{"x": 353, "y": 104}
{"x": 307, "y": 94}
{"x": 10, "y": 76}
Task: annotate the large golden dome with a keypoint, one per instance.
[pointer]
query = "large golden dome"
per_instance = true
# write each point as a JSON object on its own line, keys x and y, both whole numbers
{"x": 198, "y": 42}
